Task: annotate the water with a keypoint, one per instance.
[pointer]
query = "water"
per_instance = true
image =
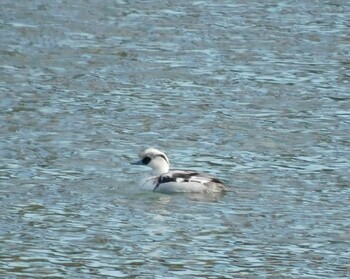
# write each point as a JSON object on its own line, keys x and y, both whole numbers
{"x": 254, "y": 93}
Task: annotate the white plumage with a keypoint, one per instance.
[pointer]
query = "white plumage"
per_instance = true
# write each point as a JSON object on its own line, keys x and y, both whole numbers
{"x": 165, "y": 180}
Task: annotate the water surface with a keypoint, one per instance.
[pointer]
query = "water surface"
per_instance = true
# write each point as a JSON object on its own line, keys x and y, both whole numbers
{"x": 254, "y": 93}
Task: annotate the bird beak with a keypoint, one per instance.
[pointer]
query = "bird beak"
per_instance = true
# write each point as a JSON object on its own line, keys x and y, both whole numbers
{"x": 137, "y": 163}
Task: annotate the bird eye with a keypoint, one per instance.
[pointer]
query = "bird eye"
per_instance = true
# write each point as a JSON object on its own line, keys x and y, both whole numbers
{"x": 146, "y": 160}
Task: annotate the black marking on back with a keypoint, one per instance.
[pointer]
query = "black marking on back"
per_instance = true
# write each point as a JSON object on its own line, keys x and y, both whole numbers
{"x": 186, "y": 176}
{"x": 165, "y": 178}
{"x": 216, "y": 180}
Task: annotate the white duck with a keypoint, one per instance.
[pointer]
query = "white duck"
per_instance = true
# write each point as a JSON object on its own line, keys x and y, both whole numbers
{"x": 176, "y": 181}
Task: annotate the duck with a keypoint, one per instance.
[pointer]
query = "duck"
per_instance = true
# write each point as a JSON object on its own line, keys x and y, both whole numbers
{"x": 164, "y": 180}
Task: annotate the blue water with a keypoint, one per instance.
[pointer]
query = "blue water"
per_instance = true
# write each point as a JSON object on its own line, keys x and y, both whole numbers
{"x": 256, "y": 94}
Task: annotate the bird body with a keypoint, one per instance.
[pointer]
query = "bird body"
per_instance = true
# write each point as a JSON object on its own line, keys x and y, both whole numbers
{"x": 165, "y": 180}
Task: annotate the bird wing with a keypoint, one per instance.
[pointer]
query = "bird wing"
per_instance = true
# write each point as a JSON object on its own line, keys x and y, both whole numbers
{"x": 186, "y": 176}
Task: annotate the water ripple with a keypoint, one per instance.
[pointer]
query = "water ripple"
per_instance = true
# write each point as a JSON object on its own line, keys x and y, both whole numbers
{"x": 254, "y": 93}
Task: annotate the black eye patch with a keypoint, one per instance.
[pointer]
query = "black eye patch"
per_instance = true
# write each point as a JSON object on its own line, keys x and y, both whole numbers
{"x": 146, "y": 160}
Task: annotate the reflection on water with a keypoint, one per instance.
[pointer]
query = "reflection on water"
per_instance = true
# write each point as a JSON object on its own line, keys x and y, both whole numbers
{"x": 254, "y": 93}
